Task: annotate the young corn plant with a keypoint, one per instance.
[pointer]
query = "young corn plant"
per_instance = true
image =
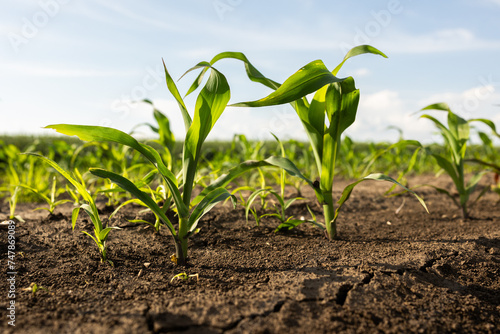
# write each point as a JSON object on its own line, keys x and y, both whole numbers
{"x": 331, "y": 111}
{"x": 51, "y": 201}
{"x": 489, "y": 157}
{"x": 100, "y": 231}
{"x": 210, "y": 103}
{"x": 19, "y": 170}
{"x": 262, "y": 195}
{"x": 456, "y": 135}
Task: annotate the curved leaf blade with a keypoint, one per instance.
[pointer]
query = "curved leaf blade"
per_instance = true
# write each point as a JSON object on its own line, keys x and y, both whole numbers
{"x": 306, "y": 80}
{"x": 207, "y": 203}
{"x": 175, "y": 93}
{"x": 100, "y": 133}
{"x": 358, "y": 50}
{"x": 346, "y": 193}
{"x": 127, "y": 185}
{"x": 210, "y": 104}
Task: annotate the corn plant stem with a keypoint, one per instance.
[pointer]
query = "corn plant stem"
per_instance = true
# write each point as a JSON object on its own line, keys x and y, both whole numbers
{"x": 462, "y": 190}
{"x": 181, "y": 242}
{"x": 329, "y": 213}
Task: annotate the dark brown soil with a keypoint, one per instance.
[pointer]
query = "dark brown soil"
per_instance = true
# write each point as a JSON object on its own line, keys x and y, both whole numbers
{"x": 409, "y": 272}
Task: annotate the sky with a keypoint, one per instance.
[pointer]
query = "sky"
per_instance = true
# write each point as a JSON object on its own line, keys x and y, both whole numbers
{"x": 90, "y": 62}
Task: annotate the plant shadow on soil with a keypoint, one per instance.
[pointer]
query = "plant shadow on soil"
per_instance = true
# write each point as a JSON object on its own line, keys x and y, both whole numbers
{"x": 409, "y": 272}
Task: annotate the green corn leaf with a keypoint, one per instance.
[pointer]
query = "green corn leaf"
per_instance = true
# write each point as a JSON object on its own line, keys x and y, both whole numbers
{"x": 103, "y": 235}
{"x": 252, "y": 198}
{"x": 342, "y": 101}
{"x": 447, "y": 135}
{"x": 171, "y": 181}
{"x": 485, "y": 163}
{"x": 346, "y": 193}
{"x": 450, "y": 170}
{"x": 290, "y": 202}
{"x": 472, "y": 184}
{"x": 485, "y": 139}
{"x": 100, "y": 133}
{"x": 45, "y": 198}
{"x": 481, "y": 193}
{"x": 315, "y": 114}
{"x": 62, "y": 201}
{"x": 205, "y": 66}
{"x": 210, "y": 104}
{"x": 459, "y": 127}
{"x": 488, "y": 123}
{"x": 175, "y": 93}
{"x": 80, "y": 188}
{"x": 289, "y": 224}
{"x": 252, "y": 72}
{"x": 313, "y": 120}
{"x": 167, "y": 138}
{"x": 400, "y": 144}
{"x": 306, "y": 80}
{"x": 349, "y": 104}
{"x": 147, "y": 179}
{"x": 141, "y": 221}
{"x": 456, "y": 134}
{"x": 243, "y": 167}
{"x": 197, "y": 82}
{"x": 74, "y": 217}
{"x": 127, "y": 185}
{"x": 207, "y": 203}
{"x": 95, "y": 240}
{"x": 91, "y": 210}
{"x": 287, "y": 165}
{"x": 130, "y": 201}
{"x": 358, "y": 50}
{"x": 438, "y": 106}
{"x": 447, "y": 193}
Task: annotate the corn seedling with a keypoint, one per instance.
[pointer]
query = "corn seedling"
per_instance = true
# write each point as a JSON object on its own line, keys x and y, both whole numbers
{"x": 280, "y": 214}
{"x": 100, "y": 232}
{"x": 15, "y": 165}
{"x": 34, "y": 288}
{"x": 331, "y": 111}
{"x": 12, "y": 200}
{"x": 489, "y": 158}
{"x": 51, "y": 201}
{"x": 456, "y": 136}
{"x": 184, "y": 277}
{"x": 210, "y": 104}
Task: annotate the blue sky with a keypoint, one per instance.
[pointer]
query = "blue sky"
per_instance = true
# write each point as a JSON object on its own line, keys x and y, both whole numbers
{"x": 85, "y": 62}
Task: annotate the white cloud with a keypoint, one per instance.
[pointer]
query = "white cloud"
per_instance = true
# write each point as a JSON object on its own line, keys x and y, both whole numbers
{"x": 475, "y": 102}
{"x": 446, "y": 40}
{"x": 381, "y": 110}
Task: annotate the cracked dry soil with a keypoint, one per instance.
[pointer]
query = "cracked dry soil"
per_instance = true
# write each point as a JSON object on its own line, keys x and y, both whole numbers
{"x": 410, "y": 272}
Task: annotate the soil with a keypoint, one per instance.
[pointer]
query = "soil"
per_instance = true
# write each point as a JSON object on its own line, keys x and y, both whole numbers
{"x": 390, "y": 271}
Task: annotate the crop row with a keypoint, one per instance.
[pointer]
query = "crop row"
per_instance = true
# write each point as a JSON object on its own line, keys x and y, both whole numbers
{"x": 161, "y": 174}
